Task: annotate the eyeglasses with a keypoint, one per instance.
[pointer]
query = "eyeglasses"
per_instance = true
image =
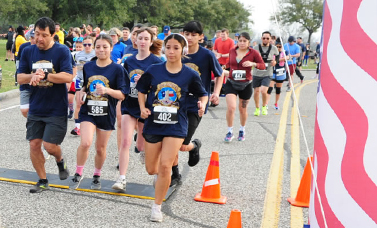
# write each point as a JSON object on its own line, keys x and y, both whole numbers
{"x": 87, "y": 45}
{"x": 78, "y": 39}
{"x": 265, "y": 38}
{"x": 278, "y": 46}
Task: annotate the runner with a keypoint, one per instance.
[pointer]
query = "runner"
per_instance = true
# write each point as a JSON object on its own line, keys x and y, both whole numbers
{"x": 71, "y": 86}
{"x": 47, "y": 118}
{"x": 167, "y": 85}
{"x": 204, "y": 62}
{"x": 104, "y": 85}
{"x": 8, "y": 46}
{"x": 59, "y": 33}
{"x": 262, "y": 78}
{"x": 118, "y": 48}
{"x": 293, "y": 52}
{"x": 81, "y": 58}
{"x": 241, "y": 60}
{"x": 279, "y": 74}
{"x": 135, "y": 65}
{"x": 125, "y": 39}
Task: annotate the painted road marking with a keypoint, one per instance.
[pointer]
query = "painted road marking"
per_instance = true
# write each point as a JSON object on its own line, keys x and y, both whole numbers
{"x": 11, "y": 107}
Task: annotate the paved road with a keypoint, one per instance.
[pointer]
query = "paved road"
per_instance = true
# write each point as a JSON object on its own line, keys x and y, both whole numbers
{"x": 244, "y": 172}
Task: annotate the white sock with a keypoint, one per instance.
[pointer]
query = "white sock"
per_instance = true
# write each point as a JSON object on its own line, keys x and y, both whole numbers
{"x": 122, "y": 176}
{"x": 77, "y": 125}
{"x": 230, "y": 129}
{"x": 157, "y": 206}
{"x": 242, "y": 128}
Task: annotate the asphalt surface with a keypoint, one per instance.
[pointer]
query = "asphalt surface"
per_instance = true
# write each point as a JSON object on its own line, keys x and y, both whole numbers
{"x": 244, "y": 170}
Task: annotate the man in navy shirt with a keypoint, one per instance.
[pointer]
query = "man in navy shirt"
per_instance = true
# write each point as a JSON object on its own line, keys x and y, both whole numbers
{"x": 125, "y": 39}
{"x": 47, "y": 67}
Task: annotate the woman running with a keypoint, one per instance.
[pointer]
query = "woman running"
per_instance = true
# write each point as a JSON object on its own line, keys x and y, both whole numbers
{"x": 241, "y": 60}
{"x": 104, "y": 85}
{"x": 135, "y": 65}
{"x": 168, "y": 85}
{"x": 279, "y": 74}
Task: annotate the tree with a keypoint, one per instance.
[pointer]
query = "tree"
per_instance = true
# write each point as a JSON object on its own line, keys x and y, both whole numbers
{"x": 308, "y": 13}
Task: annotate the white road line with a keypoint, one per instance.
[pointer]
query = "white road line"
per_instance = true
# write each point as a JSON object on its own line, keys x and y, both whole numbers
{"x": 11, "y": 107}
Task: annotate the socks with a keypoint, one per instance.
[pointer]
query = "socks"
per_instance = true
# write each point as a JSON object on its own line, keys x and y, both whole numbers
{"x": 157, "y": 206}
{"x": 77, "y": 123}
{"x": 79, "y": 169}
{"x": 97, "y": 172}
{"x": 122, "y": 176}
{"x": 242, "y": 128}
{"x": 230, "y": 129}
{"x": 70, "y": 105}
{"x": 175, "y": 170}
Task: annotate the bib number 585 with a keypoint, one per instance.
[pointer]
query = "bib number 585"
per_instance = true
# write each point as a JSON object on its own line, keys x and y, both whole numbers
{"x": 97, "y": 109}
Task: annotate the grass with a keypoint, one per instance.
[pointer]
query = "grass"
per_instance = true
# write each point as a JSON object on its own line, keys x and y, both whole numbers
{"x": 8, "y": 68}
{"x": 311, "y": 65}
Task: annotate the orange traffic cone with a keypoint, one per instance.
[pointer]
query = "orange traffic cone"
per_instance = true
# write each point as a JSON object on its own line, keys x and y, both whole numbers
{"x": 211, "y": 187}
{"x": 303, "y": 193}
{"x": 235, "y": 219}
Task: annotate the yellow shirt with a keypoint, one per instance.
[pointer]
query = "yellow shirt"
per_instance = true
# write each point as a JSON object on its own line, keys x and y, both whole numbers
{"x": 19, "y": 41}
{"x": 61, "y": 36}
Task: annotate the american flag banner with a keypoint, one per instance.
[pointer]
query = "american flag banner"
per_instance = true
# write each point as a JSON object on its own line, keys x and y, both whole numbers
{"x": 345, "y": 143}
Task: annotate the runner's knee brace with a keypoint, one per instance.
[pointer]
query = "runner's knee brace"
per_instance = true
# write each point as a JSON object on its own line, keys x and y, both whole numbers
{"x": 278, "y": 90}
{"x": 269, "y": 91}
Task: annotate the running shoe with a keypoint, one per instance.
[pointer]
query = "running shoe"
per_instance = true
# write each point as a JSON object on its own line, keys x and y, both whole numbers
{"x": 175, "y": 180}
{"x": 135, "y": 137}
{"x": 213, "y": 105}
{"x": 118, "y": 166}
{"x": 136, "y": 150}
{"x": 156, "y": 214}
{"x": 276, "y": 106}
{"x": 264, "y": 110}
{"x": 194, "y": 156}
{"x": 288, "y": 89}
{"x": 120, "y": 184}
{"x": 241, "y": 136}
{"x": 75, "y": 131}
{"x": 63, "y": 170}
{"x": 75, "y": 182}
{"x": 39, "y": 187}
{"x": 302, "y": 79}
{"x": 96, "y": 183}
{"x": 70, "y": 115}
{"x": 6, "y": 59}
{"x": 229, "y": 136}
{"x": 142, "y": 157}
{"x": 257, "y": 112}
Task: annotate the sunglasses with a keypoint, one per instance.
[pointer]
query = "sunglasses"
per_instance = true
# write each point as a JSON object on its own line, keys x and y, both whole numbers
{"x": 265, "y": 38}
{"x": 87, "y": 45}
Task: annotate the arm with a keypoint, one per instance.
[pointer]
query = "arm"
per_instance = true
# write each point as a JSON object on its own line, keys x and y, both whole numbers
{"x": 59, "y": 78}
{"x": 144, "y": 112}
{"x": 202, "y": 105}
{"x": 117, "y": 94}
{"x": 216, "y": 91}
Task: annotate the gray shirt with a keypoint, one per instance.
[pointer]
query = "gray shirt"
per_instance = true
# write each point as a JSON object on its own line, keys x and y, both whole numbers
{"x": 81, "y": 58}
{"x": 269, "y": 69}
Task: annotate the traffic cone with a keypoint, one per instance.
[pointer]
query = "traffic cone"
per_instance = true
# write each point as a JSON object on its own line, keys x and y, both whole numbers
{"x": 303, "y": 193}
{"x": 211, "y": 187}
{"x": 235, "y": 219}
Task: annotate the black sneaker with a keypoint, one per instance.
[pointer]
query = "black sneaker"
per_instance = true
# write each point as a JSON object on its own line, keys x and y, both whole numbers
{"x": 39, "y": 187}
{"x": 194, "y": 156}
{"x": 63, "y": 170}
{"x": 135, "y": 137}
{"x": 175, "y": 180}
{"x": 136, "y": 150}
{"x": 96, "y": 183}
{"x": 118, "y": 166}
{"x": 70, "y": 114}
{"x": 75, "y": 182}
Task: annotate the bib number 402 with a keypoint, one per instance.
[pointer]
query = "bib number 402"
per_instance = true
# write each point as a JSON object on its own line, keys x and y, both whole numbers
{"x": 163, "y": 116}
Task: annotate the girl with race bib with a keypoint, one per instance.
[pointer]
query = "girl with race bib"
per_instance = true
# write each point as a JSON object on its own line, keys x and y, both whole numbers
{"x": 241, "y": 60}
{"x": 168, "y": 85}
{"x": 105, "y": 83}
{"x": 135, "y": 65}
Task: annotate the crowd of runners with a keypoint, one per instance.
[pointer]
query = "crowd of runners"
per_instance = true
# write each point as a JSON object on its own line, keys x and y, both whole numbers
{"x": 158, "y": 85}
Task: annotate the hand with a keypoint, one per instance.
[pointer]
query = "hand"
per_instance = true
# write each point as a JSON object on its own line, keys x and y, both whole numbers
{"x": 273, "y": 63}
{"x": 119, "y": 60}
{"x": 214, "y": 99}
{"x": 100, "y": 89}
{"x": 79, "y": 96}
{"x": 137, "y": 77}
{"x": 248, "y": 64}
{"x": 202, "y": 108}
{"x": 218, "y": 55}
{"x": 144, "y": 113}
{"x": 37, "y": 77}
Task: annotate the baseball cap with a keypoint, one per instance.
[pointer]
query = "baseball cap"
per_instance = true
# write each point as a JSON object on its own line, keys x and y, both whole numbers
{"x": 166, "y": 28}
{"x": 237, "y": 34}
{"x": 291, "y": 39}
{"x": 32, "y": 33}
{"x": 10, "y": 26}
{"x": 114, "y": 31}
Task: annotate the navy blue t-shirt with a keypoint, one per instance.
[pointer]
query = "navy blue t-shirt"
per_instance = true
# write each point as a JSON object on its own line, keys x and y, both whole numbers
{"x": 130, "y": 105}
{"x": 167, "y": 95}
{"x": 18, "y": 57}
{"x": 127, "y": 42}
{"x": 47, "y": 99}
{"x": 112, "y": 76}
{"x": 204, "y": 62}
{"x": 129, "y": 51}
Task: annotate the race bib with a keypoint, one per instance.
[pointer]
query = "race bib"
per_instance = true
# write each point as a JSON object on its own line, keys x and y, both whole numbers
{"x": 165, "y": 115}
{"x": 266, "y": 64}
{"x": 133, "y": 90}
{"x": 97, "y": 108}
{"x": 280, "y": 72}
{"x": 46, "y": 67}
{"x": 239, "y": 75}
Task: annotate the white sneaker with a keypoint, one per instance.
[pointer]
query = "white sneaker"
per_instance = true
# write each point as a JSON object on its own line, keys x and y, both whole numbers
{"x": 45, "y": 154}
{"x": 142, "y": 157}
{"x": 156, "y": 214}
{"x": 120, "y": 184}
